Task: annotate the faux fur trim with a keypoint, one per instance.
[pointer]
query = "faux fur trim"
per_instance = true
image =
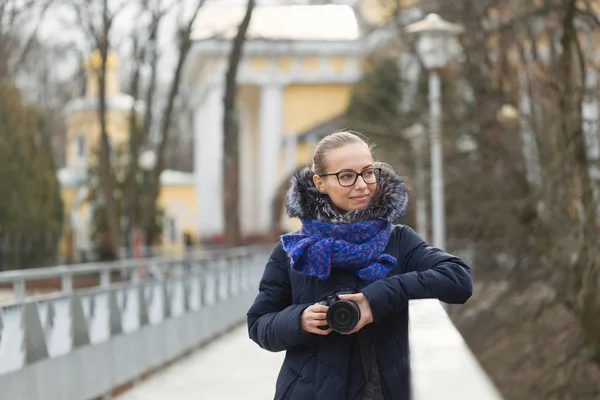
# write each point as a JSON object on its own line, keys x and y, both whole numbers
{"x": 304, "y": 200}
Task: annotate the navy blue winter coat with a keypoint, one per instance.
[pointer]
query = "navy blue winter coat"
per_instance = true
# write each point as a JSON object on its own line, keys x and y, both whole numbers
{"x": 330, "y": 367}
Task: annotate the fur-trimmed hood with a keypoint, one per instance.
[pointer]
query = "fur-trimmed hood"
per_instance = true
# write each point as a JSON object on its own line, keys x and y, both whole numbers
{"x": 304, "y": 200}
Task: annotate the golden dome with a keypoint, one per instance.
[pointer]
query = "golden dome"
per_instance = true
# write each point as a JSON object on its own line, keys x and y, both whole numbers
{"x": 94, "y": 61}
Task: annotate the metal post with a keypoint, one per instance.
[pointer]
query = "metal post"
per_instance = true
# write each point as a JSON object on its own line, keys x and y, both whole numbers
{"x": 105, "y": 279}
{"x": 420, "y": 202}
{"x": 437, "y": 167}
{"x": 19, "y": 290}
{"x": 66, "y": 283}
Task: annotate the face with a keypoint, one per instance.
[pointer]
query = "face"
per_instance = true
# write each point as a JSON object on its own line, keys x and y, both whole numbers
{"x": 353, "y": 157}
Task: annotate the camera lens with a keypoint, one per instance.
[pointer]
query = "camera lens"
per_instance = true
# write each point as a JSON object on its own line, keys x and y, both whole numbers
{"x": 343, "y": 315}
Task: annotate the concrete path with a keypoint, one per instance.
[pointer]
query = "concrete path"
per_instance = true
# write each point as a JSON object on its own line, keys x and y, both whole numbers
{"x": 6, "y": 296}
{"x": 231, "y": 368}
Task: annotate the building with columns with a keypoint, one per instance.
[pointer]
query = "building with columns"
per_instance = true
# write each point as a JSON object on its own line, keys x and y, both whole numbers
{"x": 297, "y": 72}
{"x": 176, "y": 197}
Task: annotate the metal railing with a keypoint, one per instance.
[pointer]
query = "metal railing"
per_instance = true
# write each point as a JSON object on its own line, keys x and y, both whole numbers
{"x": 442, "y": 365}
{"x": 82, "y": 344}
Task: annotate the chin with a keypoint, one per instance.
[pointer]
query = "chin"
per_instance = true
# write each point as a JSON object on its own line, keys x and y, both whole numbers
{"x": 359, "y": 207}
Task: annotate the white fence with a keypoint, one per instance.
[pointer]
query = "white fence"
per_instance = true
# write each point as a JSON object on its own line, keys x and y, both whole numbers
{"x": 83, "y": 344}
{"x": 80, "y": 345}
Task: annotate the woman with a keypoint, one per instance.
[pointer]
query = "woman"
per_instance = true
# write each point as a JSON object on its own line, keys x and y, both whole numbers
{"x": 348, "y": 204}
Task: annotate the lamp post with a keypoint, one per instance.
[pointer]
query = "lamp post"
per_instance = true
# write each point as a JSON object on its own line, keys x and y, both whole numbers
{"x": 507, "y": 114}
{"x": 416, "y": 135}
{"x": 146, "y": 162}
{"x": 434, "y": 42}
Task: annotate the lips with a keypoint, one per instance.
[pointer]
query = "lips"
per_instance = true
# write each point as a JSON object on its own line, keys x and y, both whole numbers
{"x": 361, "y": 198}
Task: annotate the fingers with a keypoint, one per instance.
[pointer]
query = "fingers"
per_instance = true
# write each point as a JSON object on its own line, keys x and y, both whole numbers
{"x": 316, "y": 312}
{"x": 312, "y": 326}
{"x": 317, "y": 316}
{"x": 353, "y": 297}
{"x": 313, "y": 317}
{"x": 318, "y": 308}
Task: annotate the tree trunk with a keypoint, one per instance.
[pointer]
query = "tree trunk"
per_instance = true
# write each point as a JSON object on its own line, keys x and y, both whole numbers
{"x": 231, "y": 136}
{"x": 185, "y": 43}
{"x": 585, "y": 289}
{"x": 107, "y": 179}
{"x": 138, "y": 135}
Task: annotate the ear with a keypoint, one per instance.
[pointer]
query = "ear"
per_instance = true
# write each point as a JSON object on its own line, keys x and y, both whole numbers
{"x": 319, "y": 183}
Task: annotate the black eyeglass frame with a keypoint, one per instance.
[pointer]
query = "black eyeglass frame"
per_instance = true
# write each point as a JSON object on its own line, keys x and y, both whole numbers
{"x": 337, "y": 175}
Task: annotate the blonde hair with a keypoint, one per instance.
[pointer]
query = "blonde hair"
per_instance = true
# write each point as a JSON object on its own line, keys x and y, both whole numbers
{"x": 331, "y": 142}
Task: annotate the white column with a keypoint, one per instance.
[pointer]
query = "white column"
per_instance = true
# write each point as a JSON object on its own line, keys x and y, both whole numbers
{"x": 208, "y": 163}
{"x": 247, "y": 174}
{"x": 271, "y": 125}
{"x": 291, "y": 153}
{"x": 311, "y": 144}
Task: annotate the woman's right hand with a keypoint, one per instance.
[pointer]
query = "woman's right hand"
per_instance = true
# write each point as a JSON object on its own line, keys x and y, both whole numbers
{"x": 312, "y": 317}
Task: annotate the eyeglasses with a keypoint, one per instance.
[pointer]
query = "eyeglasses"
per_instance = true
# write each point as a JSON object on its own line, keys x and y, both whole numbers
{"x": 349, "y": 178}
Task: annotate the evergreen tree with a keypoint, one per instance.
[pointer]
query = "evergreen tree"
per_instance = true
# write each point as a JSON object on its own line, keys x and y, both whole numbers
{"x": 31, "y": 210}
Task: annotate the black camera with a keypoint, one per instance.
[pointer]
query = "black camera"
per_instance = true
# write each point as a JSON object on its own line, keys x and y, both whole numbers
{"x": 342, "y": 315}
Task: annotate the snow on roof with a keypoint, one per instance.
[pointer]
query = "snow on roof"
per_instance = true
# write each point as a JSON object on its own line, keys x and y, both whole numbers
{"x": 114, "y": 102}
{"x": 170, "y": 177}
{"x": 72, "y": 177}
{"x": 291, "y": 22}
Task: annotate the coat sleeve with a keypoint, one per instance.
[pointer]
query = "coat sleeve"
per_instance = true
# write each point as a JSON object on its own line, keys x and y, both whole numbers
{"x": 273, "y": 321}
{"x": 427, "y": 273}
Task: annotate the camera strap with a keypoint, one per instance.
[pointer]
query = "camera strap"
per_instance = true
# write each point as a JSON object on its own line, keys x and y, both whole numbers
{"x": 372, "y": 380}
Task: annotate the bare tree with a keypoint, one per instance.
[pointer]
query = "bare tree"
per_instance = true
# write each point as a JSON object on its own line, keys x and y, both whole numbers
{"x": 99, "y": 31}
{"x": 15, "y": 41}
{"x": 145, "y": 52}
{"x": 184, "y": 40}
{"x": 231, "y": 135}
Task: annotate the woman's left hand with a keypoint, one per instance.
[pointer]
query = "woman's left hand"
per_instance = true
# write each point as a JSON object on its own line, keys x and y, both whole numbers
{"x": 366, "y": 315}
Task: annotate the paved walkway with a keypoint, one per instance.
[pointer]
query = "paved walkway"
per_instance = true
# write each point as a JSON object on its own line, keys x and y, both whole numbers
{"x": 6, "y": 296}
{"x": 230, "y": 368}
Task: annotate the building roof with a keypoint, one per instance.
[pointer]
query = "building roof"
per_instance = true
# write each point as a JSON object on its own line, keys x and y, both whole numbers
{"x": 323, "y": 129}
{"x": 72, "y": 177}
{"x": 290, "y": 22}
{"x": 170, "y": 177}
{"x": 114, "y": 102}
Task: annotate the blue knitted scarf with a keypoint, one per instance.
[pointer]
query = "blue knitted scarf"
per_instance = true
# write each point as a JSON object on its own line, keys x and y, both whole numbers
{"x": 319, "y": 246}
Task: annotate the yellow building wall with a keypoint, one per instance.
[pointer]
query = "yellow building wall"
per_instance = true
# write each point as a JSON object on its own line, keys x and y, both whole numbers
{"x": 305, "y": 106}
{"x": 305, "y": 152}
{"x": 179, "y": 202}
{"x": 64, "y": 249}
{"x": 85, "y": 123}
{"x": 377, "y": 12}
{"x": 67, "y": 194}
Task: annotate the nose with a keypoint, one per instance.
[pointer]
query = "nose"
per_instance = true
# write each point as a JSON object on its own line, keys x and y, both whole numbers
{"x": 360, "y": 183}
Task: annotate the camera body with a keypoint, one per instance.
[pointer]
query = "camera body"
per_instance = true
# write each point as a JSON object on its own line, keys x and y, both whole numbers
{"x": 342, "y": 315}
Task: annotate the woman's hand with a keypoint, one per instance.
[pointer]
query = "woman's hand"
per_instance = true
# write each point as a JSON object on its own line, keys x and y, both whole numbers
{"x": 366, "y": 315}
{"x": 313, "y": 317}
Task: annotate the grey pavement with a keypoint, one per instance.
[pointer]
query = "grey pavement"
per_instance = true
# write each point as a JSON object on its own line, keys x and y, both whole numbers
{"x": 6, "y": 296}
{"x": 230, "y": 368}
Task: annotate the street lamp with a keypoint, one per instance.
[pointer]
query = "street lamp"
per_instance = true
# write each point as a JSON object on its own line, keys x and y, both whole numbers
{"x": 415, "y": 134}
{"x": 147, "y": 160}
{"x": 507, "y": 114}
{"x": 434, "y": 43}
